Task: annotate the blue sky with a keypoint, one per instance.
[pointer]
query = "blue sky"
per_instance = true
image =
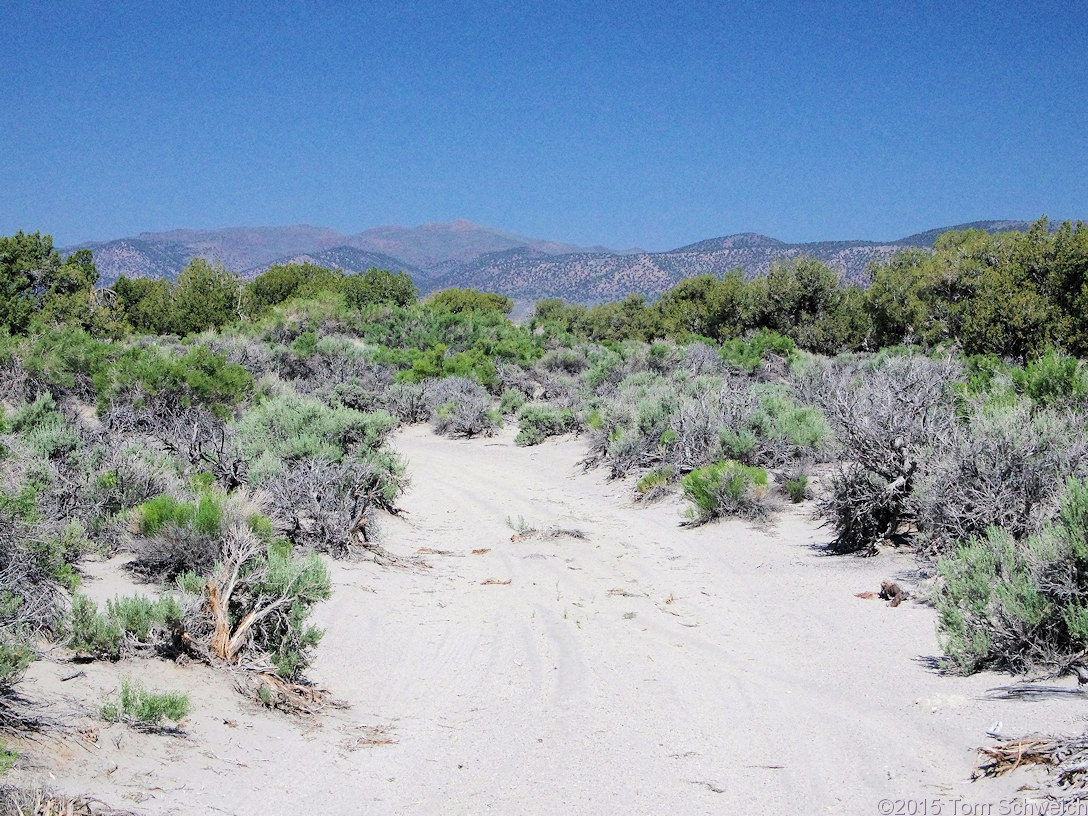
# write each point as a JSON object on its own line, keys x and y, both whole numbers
{"x": 623, "y": 124}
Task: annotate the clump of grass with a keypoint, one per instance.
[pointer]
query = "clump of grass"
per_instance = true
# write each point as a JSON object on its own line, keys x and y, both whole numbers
{"x": 145, "y": 709}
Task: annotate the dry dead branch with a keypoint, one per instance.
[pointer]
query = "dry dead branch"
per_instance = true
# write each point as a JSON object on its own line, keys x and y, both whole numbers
{"x": 1065, "y": 757}
{"x": 274, "y": 692}
{"x": 43, "y": 802}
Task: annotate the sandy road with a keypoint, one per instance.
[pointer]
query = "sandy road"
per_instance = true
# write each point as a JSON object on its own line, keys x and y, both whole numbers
{"x": 644, "y": 669}
{"x": 648, "y": 668}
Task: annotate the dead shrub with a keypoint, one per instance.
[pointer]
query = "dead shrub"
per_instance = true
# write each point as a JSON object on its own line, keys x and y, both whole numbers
{"x": 461, "y": 407}
{"x": 888, "y": 417}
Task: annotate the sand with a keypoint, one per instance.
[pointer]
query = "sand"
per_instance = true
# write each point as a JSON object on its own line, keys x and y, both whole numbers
{"x": 646, "y": 668}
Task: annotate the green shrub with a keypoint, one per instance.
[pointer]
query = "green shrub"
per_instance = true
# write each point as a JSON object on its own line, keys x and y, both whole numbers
{"x": 178, "y": 535}
{"x": 726, "y": 488}
{"x": 7, "y": 757}
{"x": 1053, "y": 379}
{"x": 91, "y": 633}
{"x": 378, "y": 286}
{"x": 62, "y": 356}
{"x": 511, "y": 401}
{"x": 284, "y": 281}
{"x": 137, "y": 619}
{"x": 291, "y": 426}
{"x": 137, "y": 706}
{"x": 44, "y": 429}
{"x": 1018, "y": 605}
{"x": 138, "y": 616}
{"x": 305, "y": 344}
{"x": 14, "y": 658}
{"x": 737, "y": 443}
{"x": 199, "y": 376}
{"x": 469, "y": 300}
{"x": 747, "y": 355}
{"x": 779, "y": 417}
{"x": 537, "y": 422}
{"x": 56, "y": 554}
{"x": 191, "y": 582}
{"x": 209, "y": 515}
{"x": 271, "y": 603}
{"x": 602, "y": 363}
{"x": 42, "y": 411}
{"x": 436, "y": 363}
{"x": 797, "y": 488}
{"x": 981, "y": 372}
{"x": 161, "y": 511}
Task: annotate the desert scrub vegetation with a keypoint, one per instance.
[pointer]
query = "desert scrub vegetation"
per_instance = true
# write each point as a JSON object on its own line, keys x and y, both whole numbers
{"x": 253, "y": 607}
{"x": 461, "y": 407}
{"x": 147, "y": 710}
{"x": 726, "y": 488}
{"x": 687, "y": 420}
{"x": 324, "y": 469}
{"x": 938, "y": 449}
{"x": 537, "y": 422}
{"x": 1019, "y": 605}
{"x": 129, "y": 625}
{"x": 889, "y": 415}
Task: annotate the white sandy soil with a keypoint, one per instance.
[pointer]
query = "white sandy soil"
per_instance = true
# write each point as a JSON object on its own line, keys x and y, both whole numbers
{"x": 646, "y": 669}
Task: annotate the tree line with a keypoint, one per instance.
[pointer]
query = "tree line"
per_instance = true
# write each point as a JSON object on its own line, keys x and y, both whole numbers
{"x": 1013, "y": 295}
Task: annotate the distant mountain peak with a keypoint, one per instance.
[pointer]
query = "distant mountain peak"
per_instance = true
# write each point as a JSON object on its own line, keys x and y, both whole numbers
{"x": 741, "y": 240}
{"x": 459, "y": 224}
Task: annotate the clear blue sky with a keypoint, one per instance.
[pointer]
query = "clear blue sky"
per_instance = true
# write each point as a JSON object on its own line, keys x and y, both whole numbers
{"x": 617, "y": 123}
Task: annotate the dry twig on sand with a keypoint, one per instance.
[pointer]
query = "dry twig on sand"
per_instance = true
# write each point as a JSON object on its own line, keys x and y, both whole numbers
{"x": 550, "y": 532}
{"x": 369, "y": 735}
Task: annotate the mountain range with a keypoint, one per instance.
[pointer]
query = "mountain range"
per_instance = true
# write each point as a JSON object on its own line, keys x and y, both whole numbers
{"x": 463, "y": 254}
